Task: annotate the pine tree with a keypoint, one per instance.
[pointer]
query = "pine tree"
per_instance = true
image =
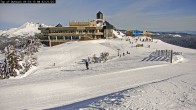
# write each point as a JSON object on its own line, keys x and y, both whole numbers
{"x": 20, "y": 60}
{"x": 11, "y": 61}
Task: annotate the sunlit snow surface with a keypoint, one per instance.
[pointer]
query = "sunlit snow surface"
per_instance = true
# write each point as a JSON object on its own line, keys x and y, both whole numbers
{"x": 124, "y": 82}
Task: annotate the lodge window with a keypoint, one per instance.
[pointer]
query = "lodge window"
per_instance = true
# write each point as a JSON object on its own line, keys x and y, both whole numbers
{"x": 80, "y": 31}
{"x": 53, "y": 37}
{"x": 68, "y": 37}
{"x": 91, "y": 31}
{"x": 60, "y": 37}
{"x": 85, "y": 31}
{"x": 75, "y": 37}
{"x": 43, "y": 37}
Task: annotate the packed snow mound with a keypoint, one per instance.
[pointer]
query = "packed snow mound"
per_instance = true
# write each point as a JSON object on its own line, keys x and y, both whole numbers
{"x": 118, "y": 34}
{"x": 72, "y": 52}
{"x": 177, "y": 59}
{"x": 26, "y": 30}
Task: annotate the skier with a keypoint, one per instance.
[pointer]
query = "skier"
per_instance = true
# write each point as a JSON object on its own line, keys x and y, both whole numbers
{"x": 87, "y": 65}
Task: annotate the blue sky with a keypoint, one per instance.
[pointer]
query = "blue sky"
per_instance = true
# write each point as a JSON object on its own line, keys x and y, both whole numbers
{"x": 152, "y": 15}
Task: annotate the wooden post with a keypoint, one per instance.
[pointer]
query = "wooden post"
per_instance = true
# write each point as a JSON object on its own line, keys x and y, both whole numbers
{"x": 171, "y": 56}
{"x": 166, "y": 53}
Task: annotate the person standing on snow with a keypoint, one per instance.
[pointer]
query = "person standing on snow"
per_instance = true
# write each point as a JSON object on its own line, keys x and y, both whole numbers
{"x": 87, "y": 65}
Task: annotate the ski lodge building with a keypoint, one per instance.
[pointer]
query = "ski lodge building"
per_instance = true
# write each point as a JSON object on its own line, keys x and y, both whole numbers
{"x": 97, "y": 29}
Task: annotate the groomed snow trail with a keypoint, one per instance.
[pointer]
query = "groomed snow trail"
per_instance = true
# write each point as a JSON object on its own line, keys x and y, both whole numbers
{"x": 175, "y": 93}
{"x": 53, "y": 94}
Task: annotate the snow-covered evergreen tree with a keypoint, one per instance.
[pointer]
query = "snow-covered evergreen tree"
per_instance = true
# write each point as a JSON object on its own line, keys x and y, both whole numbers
{"x": 104, "y": 56}
{"x": 19, "y": 60}
{"x": 11, "y": 61}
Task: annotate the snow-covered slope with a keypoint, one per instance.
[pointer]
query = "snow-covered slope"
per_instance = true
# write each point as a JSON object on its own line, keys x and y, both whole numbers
{"x": 118, "y": 34}
{"x": 177, "y": 35}
{"x": 130, "y": 82}
{"x": 175, "y": 93}
{"x": 72, "y": 52}
{"x": 27, "y": 29}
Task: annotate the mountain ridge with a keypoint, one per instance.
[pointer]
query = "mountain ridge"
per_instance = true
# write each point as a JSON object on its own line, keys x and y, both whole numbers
{"x": 26, "y": 30}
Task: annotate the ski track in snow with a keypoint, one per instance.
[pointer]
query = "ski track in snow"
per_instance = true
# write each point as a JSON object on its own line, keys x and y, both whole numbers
{"x": 141, "y": 84}
{"x": 125, "y": 99}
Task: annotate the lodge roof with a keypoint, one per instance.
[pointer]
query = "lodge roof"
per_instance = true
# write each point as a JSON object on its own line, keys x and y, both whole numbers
{"x": 59, "y": 25}
{"x": 107, "y": 23}
{"x": 99, "y": 12}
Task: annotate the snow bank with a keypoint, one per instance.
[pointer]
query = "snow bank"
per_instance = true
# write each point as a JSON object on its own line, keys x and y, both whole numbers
{"x": 30, "y": 71}
{"x": 177, "y": 59}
